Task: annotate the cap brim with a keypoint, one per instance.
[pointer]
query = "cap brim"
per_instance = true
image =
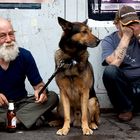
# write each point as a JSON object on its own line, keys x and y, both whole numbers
{"x": 128, "y": 20}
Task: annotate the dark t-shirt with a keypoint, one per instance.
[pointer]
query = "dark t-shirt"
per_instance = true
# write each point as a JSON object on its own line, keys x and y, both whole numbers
{"x": 12, "y": 80}
{"x": 131, "y": 62}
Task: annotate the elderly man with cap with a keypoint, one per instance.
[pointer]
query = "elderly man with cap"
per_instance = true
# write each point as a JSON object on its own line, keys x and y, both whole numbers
{"x": 121, "y": 56}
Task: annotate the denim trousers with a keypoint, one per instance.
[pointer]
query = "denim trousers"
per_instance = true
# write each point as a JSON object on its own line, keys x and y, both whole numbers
{"x": 120, "y": 90}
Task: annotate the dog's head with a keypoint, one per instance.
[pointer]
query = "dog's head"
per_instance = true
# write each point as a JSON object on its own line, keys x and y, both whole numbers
{"x": 76, "y": 36}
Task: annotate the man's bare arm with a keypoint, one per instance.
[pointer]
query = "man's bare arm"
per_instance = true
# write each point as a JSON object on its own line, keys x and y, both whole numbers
{"x": 118, "y": 55}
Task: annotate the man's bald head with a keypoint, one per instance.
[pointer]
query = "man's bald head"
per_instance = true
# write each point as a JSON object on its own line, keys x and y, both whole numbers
{"x": 5, "y": 23}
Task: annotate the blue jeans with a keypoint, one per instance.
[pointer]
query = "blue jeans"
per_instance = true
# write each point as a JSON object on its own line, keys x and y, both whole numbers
{"x": 120, "y": 90}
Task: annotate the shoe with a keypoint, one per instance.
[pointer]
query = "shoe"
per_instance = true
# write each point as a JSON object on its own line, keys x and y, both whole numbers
{"x": 39, "y": 123}
{"x": 50, "y": 116}
{"x": 21, "y": 127}
{"x": 125, "y": 117}
{"x": 2, "y": 127}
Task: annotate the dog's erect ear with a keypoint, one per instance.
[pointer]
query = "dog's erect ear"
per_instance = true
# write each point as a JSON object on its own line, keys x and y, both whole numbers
{"x": 66, "y": 25}
{"x": 85, "y": 22}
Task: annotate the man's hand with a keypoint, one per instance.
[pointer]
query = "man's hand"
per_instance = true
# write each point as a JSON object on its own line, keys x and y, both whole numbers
{"x": 127, "y": 32}
{"x": 42, "y": 98}
{"x": 136, "y": 29}
{"x": 3, "y": 100}
{"x": 117, "y": 57}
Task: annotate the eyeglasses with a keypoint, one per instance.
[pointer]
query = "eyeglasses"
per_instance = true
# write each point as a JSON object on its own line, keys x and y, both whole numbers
{"x": 11, "y": 35}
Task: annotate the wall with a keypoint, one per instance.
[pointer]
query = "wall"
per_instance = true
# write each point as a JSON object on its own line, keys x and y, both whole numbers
{"x": 38, "y": 31}
{"x": 100, "y": 29}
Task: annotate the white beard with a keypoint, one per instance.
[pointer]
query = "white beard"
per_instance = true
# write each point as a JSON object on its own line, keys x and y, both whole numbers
{"x": 9, "y": 52}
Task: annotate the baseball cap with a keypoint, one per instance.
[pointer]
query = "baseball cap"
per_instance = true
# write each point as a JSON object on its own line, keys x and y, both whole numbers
{"x": 127, "y": 15}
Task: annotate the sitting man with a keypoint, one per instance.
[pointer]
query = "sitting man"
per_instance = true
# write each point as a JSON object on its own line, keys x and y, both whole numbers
{"x": 121, "y": 55}
{"x": 15, "y": 65}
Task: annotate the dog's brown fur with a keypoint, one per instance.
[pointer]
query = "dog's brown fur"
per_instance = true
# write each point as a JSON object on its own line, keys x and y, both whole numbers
{"x": 75, "y": 79}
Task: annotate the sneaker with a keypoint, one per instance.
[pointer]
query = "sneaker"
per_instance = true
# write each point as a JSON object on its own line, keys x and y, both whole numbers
{"x": 125, "y": 117}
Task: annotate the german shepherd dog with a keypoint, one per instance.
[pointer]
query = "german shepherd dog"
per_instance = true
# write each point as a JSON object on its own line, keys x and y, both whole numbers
{"x": 78, "y": 103}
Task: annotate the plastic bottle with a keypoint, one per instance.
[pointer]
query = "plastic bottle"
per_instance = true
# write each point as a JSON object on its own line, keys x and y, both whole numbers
{"x": 11, "y": 118}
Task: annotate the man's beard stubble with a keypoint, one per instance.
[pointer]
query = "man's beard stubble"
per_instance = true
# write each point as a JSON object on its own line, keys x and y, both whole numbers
{"x": 9, "y": 52}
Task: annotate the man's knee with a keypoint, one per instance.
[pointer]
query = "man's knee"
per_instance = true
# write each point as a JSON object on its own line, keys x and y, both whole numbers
{"x": 110, "y": 72}
{"x": 53, "y": 98}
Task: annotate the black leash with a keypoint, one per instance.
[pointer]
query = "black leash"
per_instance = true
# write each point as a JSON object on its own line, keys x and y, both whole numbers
{"x": 62, "y": 63}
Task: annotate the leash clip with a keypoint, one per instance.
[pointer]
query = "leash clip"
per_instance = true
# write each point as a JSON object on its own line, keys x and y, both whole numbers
{"x": 62, "y": 63}
{"x": 68, "y": 63}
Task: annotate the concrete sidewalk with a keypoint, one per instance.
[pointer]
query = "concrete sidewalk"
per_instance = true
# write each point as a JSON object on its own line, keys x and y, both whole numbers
{"x": 109, "y": 129}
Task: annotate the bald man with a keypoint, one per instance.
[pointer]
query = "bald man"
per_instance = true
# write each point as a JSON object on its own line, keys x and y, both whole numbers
{"x": 16, "y": 64}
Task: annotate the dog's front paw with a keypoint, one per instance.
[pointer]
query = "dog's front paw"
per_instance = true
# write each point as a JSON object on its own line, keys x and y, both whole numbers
{"x": 63, "y": 131}
{"x": 87, "y": 131}
{"x": 93, "y": 126}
